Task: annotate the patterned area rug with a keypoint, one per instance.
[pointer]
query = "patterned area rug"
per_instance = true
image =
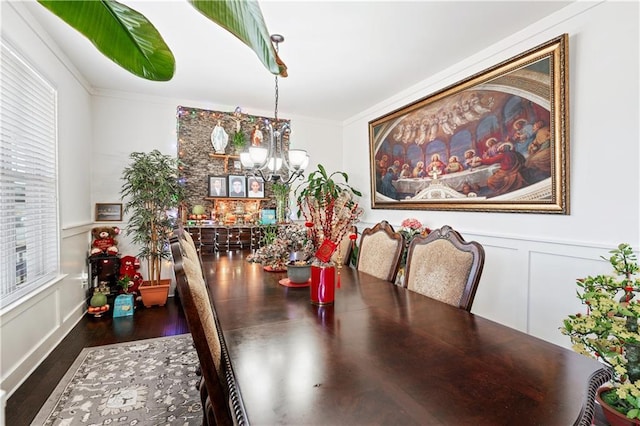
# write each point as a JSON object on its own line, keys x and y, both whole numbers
{"x": 146, "y": 382}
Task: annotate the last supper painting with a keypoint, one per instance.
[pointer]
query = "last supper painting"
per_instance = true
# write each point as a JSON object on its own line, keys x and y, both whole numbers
{"x": 496, "y": 141}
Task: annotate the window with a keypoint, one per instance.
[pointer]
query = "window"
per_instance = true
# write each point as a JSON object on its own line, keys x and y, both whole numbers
{"x": 28, "y": 182}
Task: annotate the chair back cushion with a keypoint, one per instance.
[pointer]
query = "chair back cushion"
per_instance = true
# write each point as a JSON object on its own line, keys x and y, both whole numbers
{"x": 440, "y": 271}
{"x": 445, "y": 267}
{"x": 342, "y": 255}
{"x": 200, "y": 297}
{"x": 380, "y": 251}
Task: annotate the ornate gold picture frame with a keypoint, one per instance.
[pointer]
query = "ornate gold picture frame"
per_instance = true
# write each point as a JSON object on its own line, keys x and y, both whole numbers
{"x": 496, "y": 141}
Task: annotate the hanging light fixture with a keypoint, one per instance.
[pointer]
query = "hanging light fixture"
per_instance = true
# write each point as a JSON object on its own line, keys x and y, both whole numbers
{"x": 267, "y": 162}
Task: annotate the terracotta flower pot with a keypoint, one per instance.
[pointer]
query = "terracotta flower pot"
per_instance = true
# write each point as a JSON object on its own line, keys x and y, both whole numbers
{"x": 614, "y": 417}
{"x": 156, "y": 294}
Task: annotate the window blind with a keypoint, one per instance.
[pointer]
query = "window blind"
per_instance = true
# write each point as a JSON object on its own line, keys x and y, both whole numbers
{"x": 29, "y": 236}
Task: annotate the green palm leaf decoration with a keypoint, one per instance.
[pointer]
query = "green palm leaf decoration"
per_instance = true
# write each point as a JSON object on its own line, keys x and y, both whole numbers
{"x": 121, "y": 34}
{"x": 243, "y": 18}
{"x": 128, "y": 38}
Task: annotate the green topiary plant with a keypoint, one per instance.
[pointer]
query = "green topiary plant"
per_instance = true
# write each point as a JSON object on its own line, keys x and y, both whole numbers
{"x": 151, "y": 189}
{"x": 608, "y": 330}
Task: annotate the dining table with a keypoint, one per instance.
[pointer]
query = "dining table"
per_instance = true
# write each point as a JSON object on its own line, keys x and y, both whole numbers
{"x": 382, "y": 354}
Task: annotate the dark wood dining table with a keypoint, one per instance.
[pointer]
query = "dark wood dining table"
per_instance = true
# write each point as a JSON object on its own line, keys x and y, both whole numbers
{"x": 382, "y": 354}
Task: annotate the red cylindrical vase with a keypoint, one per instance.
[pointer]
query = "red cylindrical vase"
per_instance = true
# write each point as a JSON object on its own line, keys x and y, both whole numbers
{"x": 323, "y": 284}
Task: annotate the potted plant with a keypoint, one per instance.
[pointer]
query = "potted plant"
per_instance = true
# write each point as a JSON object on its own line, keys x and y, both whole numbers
{"x": 151, "y": 190}
{"x": 327, "y": 205}
{"x": 278, "y": 245}
{"x": 608, "y": 331}
{"x": 330, "y": 212}
{"x": 238, "y": 141}
{"x": 409, "y": 228}
{"x": 281, "y": 193}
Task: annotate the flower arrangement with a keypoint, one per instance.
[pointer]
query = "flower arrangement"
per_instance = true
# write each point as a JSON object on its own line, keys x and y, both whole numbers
{"x": 328, "y": 207}
{"x": 608, "y": 331}
{"x": 275, "y": 253}
{"x": 409, "y": 228}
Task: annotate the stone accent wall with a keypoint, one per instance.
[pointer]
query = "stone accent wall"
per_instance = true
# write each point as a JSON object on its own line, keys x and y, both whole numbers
{"x": 196, "y": 151}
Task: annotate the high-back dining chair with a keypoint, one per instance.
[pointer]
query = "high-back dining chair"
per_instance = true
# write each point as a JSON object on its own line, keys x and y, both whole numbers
{"x": 342, "y": 255}
{"x": 203, "y": 326}
{"x": 380, "y": 251}
{"x": 443, "y": 266}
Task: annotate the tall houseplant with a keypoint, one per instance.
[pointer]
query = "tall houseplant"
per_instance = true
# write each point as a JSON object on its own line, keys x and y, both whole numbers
{"x": 608, "y": 330}
{"x": 281, "y": 192}
{"x": 150, "y": 190}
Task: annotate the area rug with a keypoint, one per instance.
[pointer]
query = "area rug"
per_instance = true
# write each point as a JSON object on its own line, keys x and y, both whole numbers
{"x": 145, "y": 382}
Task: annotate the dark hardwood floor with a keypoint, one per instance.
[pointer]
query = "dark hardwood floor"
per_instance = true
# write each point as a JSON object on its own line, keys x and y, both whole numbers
{"x": 146, "y": 323}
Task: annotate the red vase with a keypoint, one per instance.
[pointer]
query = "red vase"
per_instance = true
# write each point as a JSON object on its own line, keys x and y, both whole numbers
{"x": 614, "y": 417}
{"x": 323, "y": 284}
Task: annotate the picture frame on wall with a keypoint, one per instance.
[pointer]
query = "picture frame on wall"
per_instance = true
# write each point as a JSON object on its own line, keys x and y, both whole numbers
{"x": 255, "y": 187}
{"x": 218, "y": 186}
{"x": 496, "y": 141}
{"x": 237, "y": 185}
{"x": 108, "y": 212}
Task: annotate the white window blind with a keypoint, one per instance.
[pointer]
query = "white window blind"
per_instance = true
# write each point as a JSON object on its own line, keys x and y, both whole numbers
{"x": 29, "y": 243}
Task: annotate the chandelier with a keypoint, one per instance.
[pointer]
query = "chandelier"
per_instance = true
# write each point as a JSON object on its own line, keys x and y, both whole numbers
{"x": 267, "y": 162}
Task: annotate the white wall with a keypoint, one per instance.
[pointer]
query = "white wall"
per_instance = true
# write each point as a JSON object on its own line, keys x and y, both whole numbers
{"x": 31, "y": 328}
{"x": 532, "y": 260}
{"x": 124, "y": 123}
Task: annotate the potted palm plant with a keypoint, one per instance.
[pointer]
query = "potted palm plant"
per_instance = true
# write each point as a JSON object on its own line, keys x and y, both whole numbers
{"x": 608, "y": 331}
{"x": 150, "y": 191}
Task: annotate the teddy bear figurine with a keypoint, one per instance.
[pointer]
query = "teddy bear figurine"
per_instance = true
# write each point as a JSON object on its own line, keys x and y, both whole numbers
{"x": 104, "y": 241}
{"x": 129, "y": 266}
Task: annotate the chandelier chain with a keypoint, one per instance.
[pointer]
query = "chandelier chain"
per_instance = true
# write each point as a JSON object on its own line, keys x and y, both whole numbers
{"x": 275, "y": 113}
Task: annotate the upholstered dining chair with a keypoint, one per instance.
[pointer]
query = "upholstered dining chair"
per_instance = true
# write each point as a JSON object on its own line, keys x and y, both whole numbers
{"x": 203, "y": 326}
{"x": 443, "y": 266}
{"x": 342, "y": 255}
{"x": 380, "y": 251}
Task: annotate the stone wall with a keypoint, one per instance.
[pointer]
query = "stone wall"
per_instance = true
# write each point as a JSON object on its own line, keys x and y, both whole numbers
{"x": 196, "y": 151}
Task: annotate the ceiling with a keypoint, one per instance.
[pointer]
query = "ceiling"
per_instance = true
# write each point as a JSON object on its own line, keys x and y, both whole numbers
{"x": 342, "y": 57}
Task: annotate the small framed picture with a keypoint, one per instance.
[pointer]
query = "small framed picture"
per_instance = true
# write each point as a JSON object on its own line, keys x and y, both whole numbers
{"x": 255, "y": 186}
{"x": 237, "y": 186}
{"x": 218, "y": 186}
{"x": 268, "y": 217}
{"x": 108, "y": 212}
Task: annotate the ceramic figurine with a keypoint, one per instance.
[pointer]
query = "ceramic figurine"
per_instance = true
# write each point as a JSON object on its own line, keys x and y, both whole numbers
{"x": 219, "y": 139}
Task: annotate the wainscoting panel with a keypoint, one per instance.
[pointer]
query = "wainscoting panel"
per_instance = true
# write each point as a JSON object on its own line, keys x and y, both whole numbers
{"x": 552, "y": 294}
{"x": 501, "y": 296}
{"x": 33, "y": 328}
{"x": 530, "y": 285}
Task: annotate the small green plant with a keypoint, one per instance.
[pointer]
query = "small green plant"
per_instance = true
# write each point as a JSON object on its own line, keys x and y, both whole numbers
{"x": 269, "y": 234}
{"x": 238, "y": 141}
{"x": 280, "y": 189}
{"x": 124, "y": 283}
{"x": 608, "y": 330}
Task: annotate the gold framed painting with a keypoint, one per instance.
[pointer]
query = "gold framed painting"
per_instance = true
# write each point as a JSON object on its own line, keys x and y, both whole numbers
{"x": 495, "y": 141}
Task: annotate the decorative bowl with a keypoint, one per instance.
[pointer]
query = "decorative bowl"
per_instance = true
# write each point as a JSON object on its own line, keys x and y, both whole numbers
{"x": 298, "y": 274}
